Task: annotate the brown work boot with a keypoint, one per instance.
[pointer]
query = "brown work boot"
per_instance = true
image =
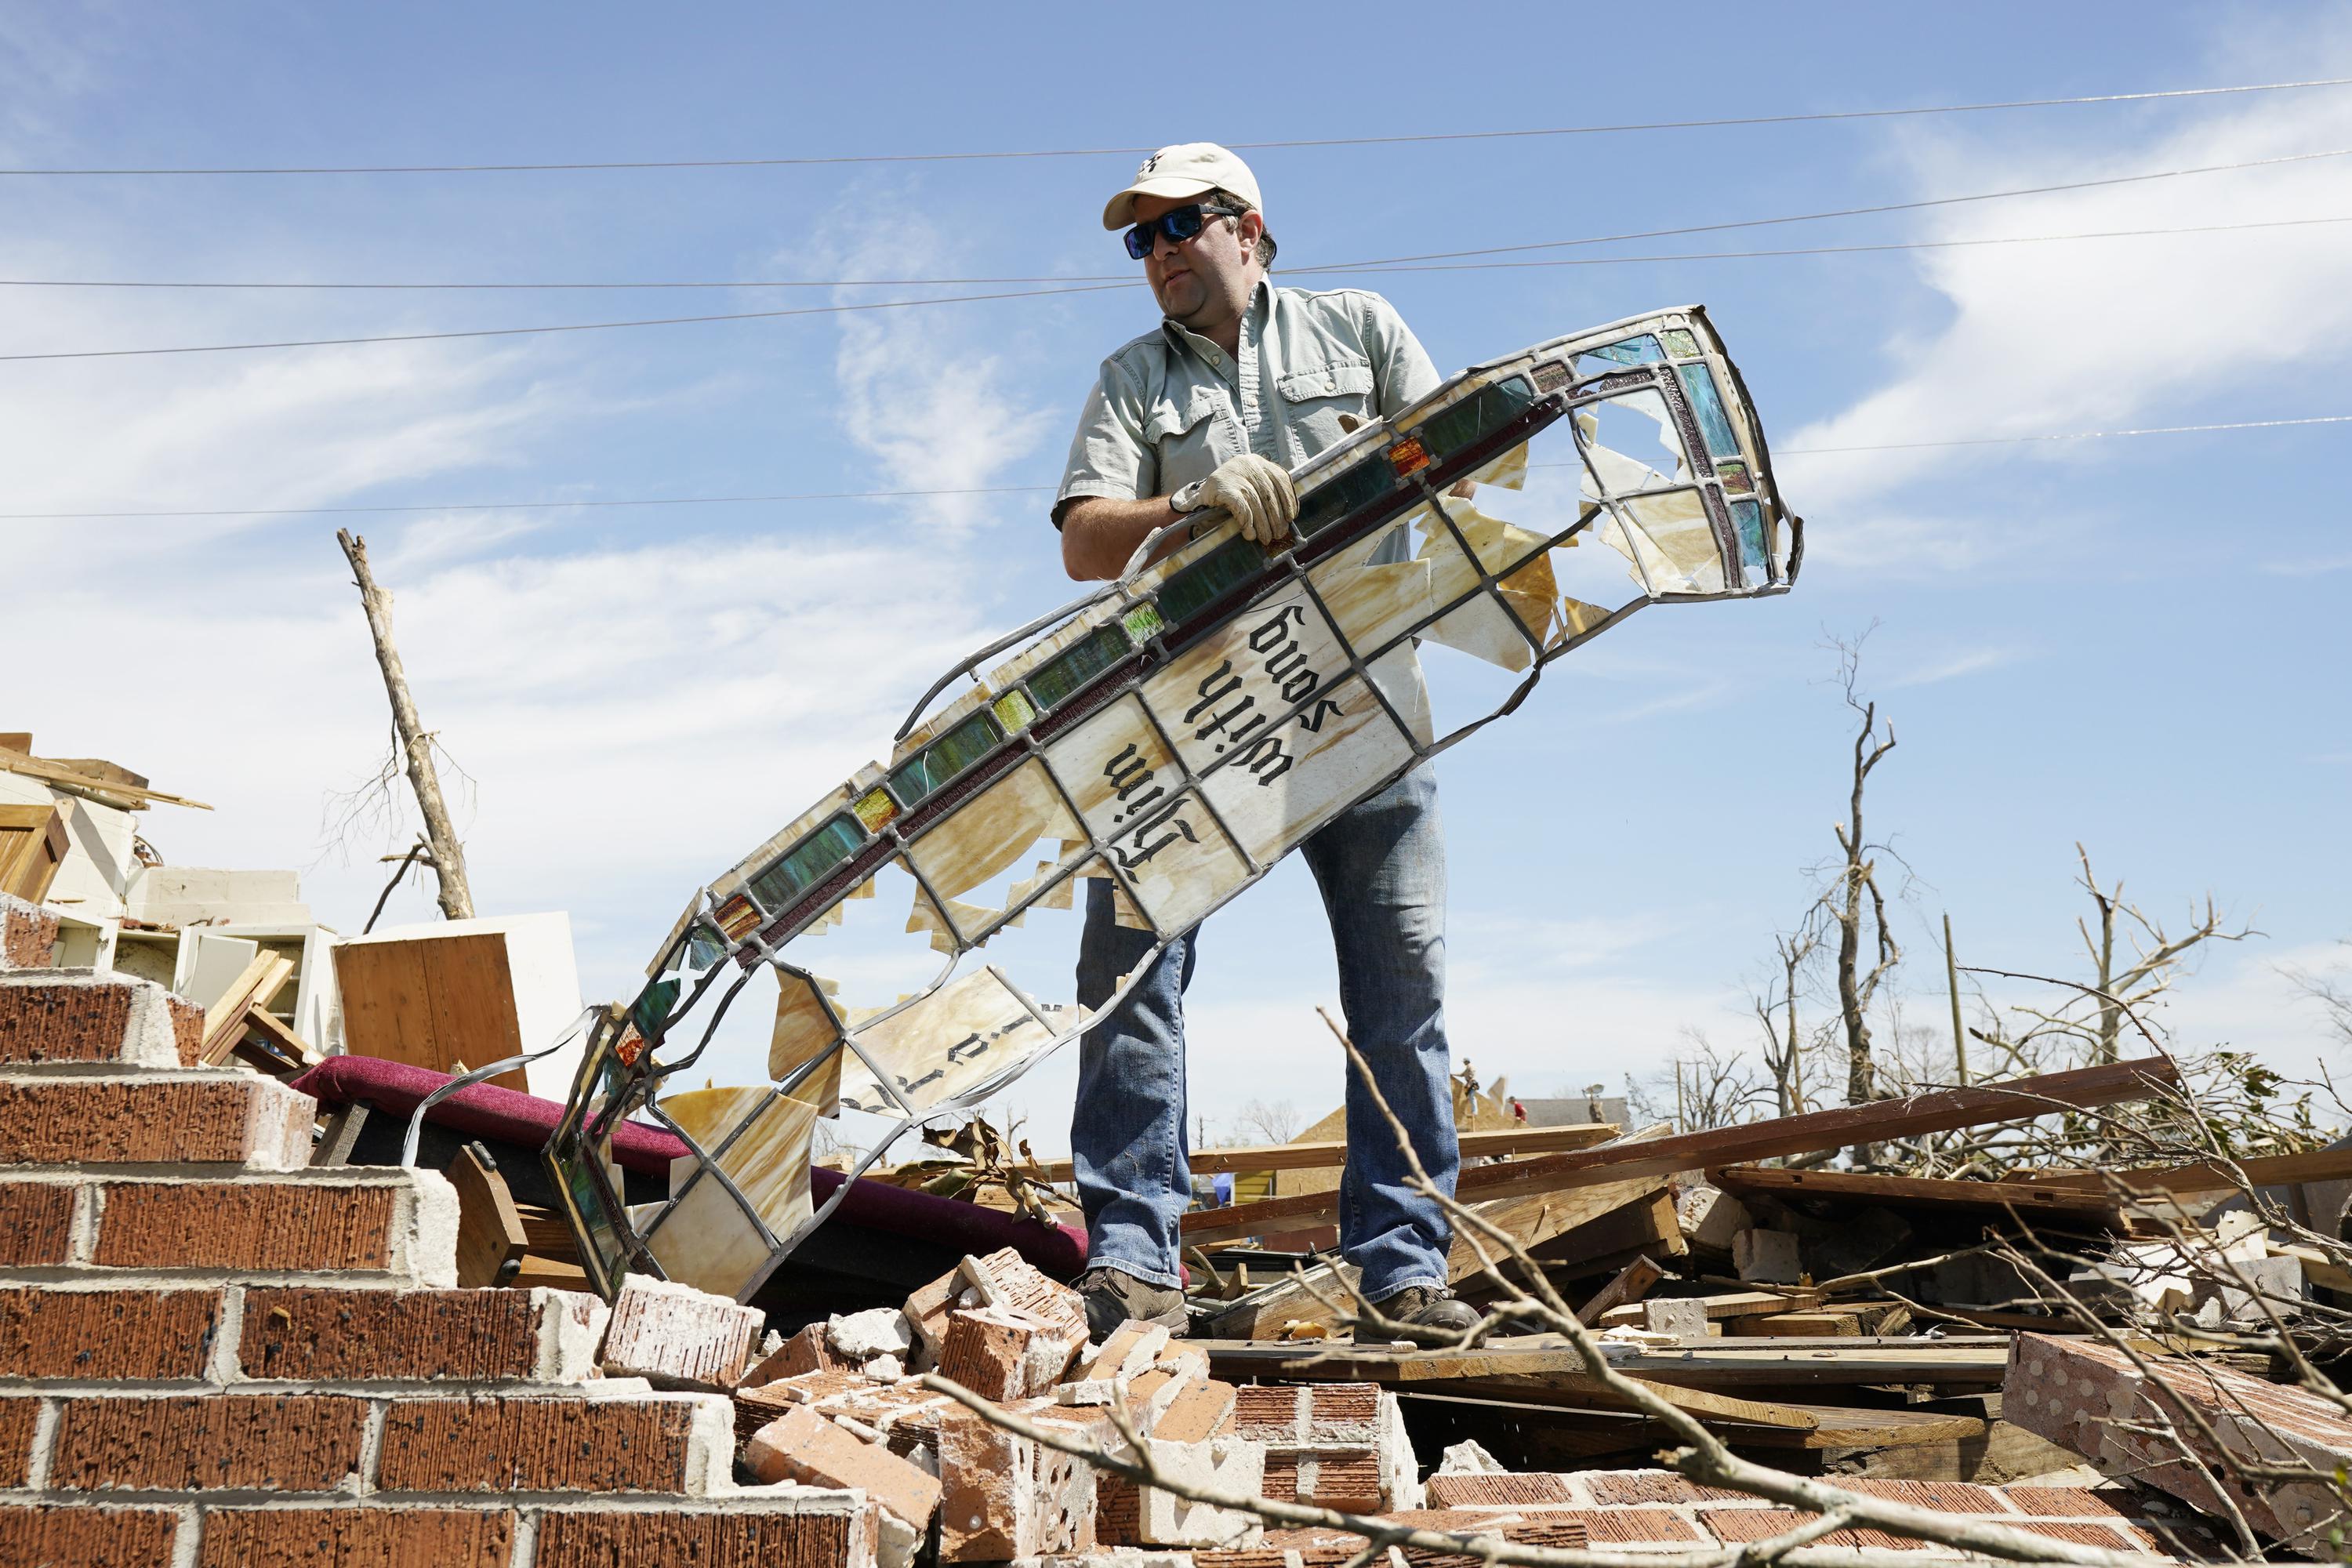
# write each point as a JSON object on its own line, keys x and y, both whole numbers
{"x": 1428, "y": 1315}
{"x": 1114, "y": 1297}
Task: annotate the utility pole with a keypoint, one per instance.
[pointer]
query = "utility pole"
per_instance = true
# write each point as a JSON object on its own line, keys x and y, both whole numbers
{"x": 1952, "y": 981}
{"x": 415, "y": 741}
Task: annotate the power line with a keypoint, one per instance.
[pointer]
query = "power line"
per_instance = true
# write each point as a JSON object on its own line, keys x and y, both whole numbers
{"x": 1042, "y": 489}
{"x": 1371, "y": 268}
{"x": 1851, "y": 212}
{"x": 2072, "y": 436}
{"x": 1596, "y": 130}
{"x": 564, "y": 327}
{"x": 1119, "y": 278}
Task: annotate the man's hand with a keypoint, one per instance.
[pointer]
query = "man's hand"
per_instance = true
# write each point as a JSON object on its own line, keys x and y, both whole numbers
{"x": 1257, "y": 491}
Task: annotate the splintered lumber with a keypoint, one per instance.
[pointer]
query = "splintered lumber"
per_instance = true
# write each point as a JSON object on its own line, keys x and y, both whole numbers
{"x": 226, "y": 1020}
{"x": 1633, "y": 1282}
{"x": 1837, "y": 1426}
{"x": 270, "y": 1044}
{"x": 1915, "y": 1192}
{"x": 1541, "y": 1370}
{"x": 110, "y": 792}
{"x": 1293, "y": 1298}
{"x": 1728, "y": 1304}
{"x": 1733, "y": 1362}
{"x": 491, "y": 1239}
{"x": 1797, "y": 1326}
{"x": 1331, "y": 1152}
{"x": 1651, "y": 1228}
{"x": 1942, "y": 1110}
{"x": 2207, "y": 1176}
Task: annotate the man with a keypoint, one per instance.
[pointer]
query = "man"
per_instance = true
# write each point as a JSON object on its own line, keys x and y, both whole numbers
{"x": 1241, "y": 382}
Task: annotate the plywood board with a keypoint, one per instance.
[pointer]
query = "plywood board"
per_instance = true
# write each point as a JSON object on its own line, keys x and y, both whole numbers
{"x": 33, "y": 845}
{"x": 431, "y": 1001}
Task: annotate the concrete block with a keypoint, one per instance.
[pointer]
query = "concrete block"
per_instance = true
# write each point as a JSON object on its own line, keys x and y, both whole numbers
{"x": 1684, "y": 1317}
{"x": 862, "y": 1336}
{"x": 2271, "y": 1278}
{"x": 1710, "y": 1217}
{"x": 1126, "y": 1514}
{"x": 1766, "y": 1257}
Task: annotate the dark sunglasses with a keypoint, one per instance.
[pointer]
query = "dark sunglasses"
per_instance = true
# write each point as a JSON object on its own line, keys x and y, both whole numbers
{"x": 1179, "y": 224}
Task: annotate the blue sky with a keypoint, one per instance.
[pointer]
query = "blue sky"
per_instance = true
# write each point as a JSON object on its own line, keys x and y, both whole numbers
{"x": 2131, "y": 643}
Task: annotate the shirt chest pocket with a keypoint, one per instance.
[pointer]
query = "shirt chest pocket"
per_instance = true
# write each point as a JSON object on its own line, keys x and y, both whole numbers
{"x": 1313, "y": 399}
{"x": 1181, "y": 428}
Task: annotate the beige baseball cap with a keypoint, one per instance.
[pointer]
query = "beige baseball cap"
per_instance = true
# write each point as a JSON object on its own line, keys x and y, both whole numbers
{"x": 1186, "y": 169}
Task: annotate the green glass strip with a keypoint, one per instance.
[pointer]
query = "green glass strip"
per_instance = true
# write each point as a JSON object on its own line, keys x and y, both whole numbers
{"x": 1344, "y": 492}
{"x": 1681, "y": 342}
{"x": 1142, "y": 622}
{"x": 1478, "y": 415}
{"x": 1194, "y": 588}
{"x": 809, "y": 862}
{"x": 1059, "y": 677}
{"x": 946, "y": 757}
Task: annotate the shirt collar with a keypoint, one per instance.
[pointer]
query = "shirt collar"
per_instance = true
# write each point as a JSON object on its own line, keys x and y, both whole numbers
{"x": 1178, "y": 336}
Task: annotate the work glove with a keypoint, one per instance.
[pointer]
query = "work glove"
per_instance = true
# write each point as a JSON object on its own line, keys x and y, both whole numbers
{"x": 1257, "y": 491}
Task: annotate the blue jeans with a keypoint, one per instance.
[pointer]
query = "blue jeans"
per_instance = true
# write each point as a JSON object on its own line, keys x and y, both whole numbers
{"x": 1381, "y": 868}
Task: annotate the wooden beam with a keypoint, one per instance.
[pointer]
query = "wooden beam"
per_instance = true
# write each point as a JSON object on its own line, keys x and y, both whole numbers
{"x": 107, "y": 790}
{"x": 1796, "y": 1326}
{"x": 2260, "y": 1170}
{"x": 1942, "y": 1110}
{"x": 1914, "y": 1192}
{"x": 491, "y": 1239}
{"x": 1633, "y": 1282}
{"x": 1328, "y": 1153}
{"x": 263, "y": 1022}
{"x": 225, "y": 1020}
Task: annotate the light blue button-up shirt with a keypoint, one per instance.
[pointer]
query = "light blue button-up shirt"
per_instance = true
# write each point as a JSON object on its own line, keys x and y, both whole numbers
{"x": 1169, "y": 408}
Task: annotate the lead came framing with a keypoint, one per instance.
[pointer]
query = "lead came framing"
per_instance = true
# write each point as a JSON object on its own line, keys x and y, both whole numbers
{"x": 1174, "y": 732}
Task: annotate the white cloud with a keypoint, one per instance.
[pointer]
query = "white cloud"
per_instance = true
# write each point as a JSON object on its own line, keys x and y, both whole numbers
{"x": 2092, "y": 335}
{"x": 919, "y": 393}
{"x": 1953, "y": 667}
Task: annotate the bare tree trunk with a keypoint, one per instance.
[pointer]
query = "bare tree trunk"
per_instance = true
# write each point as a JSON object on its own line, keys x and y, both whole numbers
{"x": 2103, "y": 952}
{"x": 415, "y": 741}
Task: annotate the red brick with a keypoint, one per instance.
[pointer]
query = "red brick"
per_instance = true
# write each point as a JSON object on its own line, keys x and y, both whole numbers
{"x": 36, "y": 1224}
{"x": 2060, "y": 1502}
{"x": 18, "y": 1418}
{"x": 801, "y": 1445}
{"x": 187, "y": 1029}
{"x": 1342, "y": 1477}
{"x": 737, "y": 1537}
{"x": 28, "y": 935}
{"x": 522, "y": 1443}
{"x": 230, "y": 1120}
{"x": 64, "y": 1021}
{"x": 80, "y": 1536}
{"x": 261, "y": 1226}
{"x": 316, "y": 1334}
{"x": 678, "y": 1336}
{"x": 1488, "y": 1490}
{"x": 50, "y": 1333}
{"x": 356, "y": 1538}
{"x": 1632, "y": 1526}
{"x": 1613, "y": 1488}
{"x": 273, "y": 1442}
{"x": 806, "y": 1351}
{"x": 1004, "y": 1352}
